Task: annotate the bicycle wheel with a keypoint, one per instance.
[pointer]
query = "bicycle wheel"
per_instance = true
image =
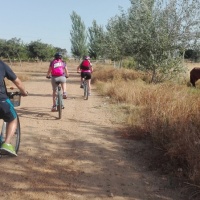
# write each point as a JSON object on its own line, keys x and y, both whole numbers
{"x": 86, "y": 91}
{"x": 3, "y": 133}
{"x": 59, "y": 104}
{"x": 15, "y": 140}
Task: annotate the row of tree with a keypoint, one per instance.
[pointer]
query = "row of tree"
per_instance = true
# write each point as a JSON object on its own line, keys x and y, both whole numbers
{"x": 155, "y": 33}
{"x": 15, "y": 49}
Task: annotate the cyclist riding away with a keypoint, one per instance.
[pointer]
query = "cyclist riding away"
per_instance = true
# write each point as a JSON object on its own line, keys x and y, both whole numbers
{"x": 58, "y": 72}
{"x": 7, "y": 110}
{"x": 86, "y": 69}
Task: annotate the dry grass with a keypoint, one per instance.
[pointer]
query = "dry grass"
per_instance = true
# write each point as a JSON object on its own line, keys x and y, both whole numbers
{"x": 169, "y": 113}
{"x": 23, "y": 69}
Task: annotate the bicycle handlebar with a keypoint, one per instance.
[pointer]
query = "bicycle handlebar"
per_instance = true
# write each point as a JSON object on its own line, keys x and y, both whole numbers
{"x": 51, "y": 76}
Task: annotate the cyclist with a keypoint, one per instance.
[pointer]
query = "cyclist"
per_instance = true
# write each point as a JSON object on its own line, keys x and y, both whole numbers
{"x": 86, "y": 69}
{"x": 58, "y": 72}
{"x": 7, "y": 110}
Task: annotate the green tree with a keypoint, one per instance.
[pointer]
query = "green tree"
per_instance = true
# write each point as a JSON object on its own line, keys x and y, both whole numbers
{"x": 116, "y": 45}
{"x": 158, "y": 31}
{"x": 40, "y": 51}
{"x": 96, "y": 38}
{"x": 78, "y": 36}
{"x": 16, "y": 49}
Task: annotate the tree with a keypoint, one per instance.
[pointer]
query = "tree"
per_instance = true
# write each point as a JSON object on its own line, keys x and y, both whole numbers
{"x": 78, "y": 36}
{"x": 116, "y": 36}
{"x": 96, "y": 41}
{"x": 158, "y": 31}
{"x": 40, "y": 51}
{"x": 154, "y": 32}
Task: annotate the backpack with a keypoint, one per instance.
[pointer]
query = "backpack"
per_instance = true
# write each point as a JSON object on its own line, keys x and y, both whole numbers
{"x": 85, "y": 65}
{"x": 57, "y": 67}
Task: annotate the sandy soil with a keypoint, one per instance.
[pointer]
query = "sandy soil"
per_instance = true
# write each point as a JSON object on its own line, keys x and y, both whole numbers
{"x": 80, "y": 157}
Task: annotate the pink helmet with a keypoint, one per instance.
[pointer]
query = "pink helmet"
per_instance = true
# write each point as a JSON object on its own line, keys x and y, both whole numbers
{"x": 87, "y": 57}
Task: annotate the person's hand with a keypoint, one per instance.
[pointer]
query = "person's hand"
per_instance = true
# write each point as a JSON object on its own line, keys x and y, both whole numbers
{"x": 48, "y": 77}
{"x": 24, "y": 94}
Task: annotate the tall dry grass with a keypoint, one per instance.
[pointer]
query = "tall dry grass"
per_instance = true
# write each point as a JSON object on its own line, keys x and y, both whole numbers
{"x": 168, "y": 112}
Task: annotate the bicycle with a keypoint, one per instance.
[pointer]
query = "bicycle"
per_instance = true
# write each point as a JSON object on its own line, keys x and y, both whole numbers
{"x": 59, "y": 99}
{"x": 15, "y": 98}
{"x": 85, "y": 88}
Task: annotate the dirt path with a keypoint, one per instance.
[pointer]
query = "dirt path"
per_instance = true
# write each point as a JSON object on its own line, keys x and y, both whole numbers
{"x": 79, "y": 157}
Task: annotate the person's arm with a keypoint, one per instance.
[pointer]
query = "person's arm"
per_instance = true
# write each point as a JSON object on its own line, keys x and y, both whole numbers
{"x": 20, "y": 86}
{"x": 49, "y": 72}
{"x": 91, "y": 68}
{"x": 66, "y": 72}
{"x": 78, "y": 69}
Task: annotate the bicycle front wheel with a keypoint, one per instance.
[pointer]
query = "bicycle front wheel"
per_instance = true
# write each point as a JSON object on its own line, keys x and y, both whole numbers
{"x": 59, "y": 105}
{"x": 15, "y": 141}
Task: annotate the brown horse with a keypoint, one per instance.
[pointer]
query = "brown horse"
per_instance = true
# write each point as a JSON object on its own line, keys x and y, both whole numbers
{"x": 194, "y": 75}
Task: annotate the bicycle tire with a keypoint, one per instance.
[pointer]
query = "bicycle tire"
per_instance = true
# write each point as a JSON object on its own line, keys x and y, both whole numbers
{"x": 59, "y": 104}
{"x": 86, "y": 92}
{"x": 17, "y": 137}
{"x": 15, "y": 140}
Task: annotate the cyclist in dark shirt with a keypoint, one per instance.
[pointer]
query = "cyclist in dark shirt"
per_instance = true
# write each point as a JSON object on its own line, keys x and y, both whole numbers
{"x": 7, "y": 110}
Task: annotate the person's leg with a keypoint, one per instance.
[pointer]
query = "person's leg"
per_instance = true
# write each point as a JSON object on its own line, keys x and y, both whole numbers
{"x": 89, "y": 85}
{"x": 10, "y": 130}
{"x": 81, "y": 83}
{"x": 53, "y": 83}
{"x": 9, "y": 115}
{"x": 63, "y": 80}
{"x": 54, "y": 97}
{"x": 89, "y": 82}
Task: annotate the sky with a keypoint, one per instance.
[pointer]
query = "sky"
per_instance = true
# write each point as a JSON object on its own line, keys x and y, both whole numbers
{"x": 49, "y": 20}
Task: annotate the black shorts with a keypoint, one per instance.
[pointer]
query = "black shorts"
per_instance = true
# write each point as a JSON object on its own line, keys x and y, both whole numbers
{"x": 7, "y": 111}
{"x": 86, "y": 75}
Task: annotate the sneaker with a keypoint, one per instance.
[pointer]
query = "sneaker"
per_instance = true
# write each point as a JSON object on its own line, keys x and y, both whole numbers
{"x": 8, "y": 148}
{"x": 81, "y": 85}
{"x": 54, "y": 109}
{"x": 64, "y": 95}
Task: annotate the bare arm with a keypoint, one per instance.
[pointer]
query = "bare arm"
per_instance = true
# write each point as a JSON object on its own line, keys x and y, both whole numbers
{"x": 66, "y": 72}
{"x": 49, "y": 71}
{"x": 78, "y": 68}
{"x": 20, "y": 86}
{"x": 91, "y": 68}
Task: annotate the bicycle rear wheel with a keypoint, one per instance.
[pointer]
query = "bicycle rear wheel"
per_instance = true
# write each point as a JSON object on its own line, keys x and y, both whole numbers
{"x": 86, "y": 91}
{"x": 59, "y": 104}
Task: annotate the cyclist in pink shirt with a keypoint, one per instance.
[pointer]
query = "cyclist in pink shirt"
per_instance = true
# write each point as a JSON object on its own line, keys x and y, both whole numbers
{"x": 58, "y": 72}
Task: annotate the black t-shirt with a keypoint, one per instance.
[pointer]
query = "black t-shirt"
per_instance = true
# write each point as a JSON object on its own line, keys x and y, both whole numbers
{"x": 5, "y": 72}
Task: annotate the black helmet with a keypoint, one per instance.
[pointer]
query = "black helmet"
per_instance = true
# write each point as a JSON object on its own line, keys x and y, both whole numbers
{"x": 58, "y": 55}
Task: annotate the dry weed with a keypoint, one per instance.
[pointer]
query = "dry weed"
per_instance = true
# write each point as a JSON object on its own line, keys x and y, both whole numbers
{"x": 169, "y": 112}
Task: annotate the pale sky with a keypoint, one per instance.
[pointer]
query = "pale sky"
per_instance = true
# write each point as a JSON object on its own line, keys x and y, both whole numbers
{"x": 49, "y": 21}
